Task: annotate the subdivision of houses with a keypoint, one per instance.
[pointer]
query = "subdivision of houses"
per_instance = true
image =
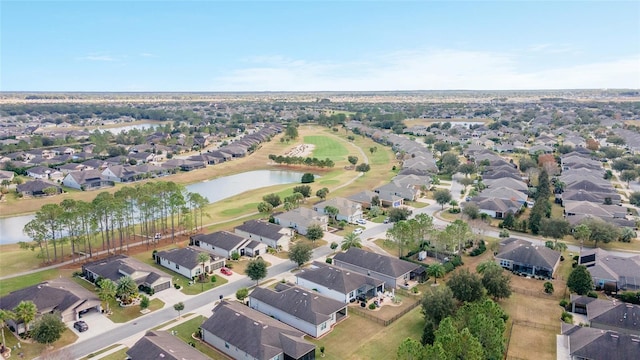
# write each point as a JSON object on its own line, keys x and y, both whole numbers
{"x": 394, "y": 272}
{"x": 243, "y": 333}
{"x": 185, "y": 262}
{"x": 305, "y": 310}
{"x": 118, "y": 266}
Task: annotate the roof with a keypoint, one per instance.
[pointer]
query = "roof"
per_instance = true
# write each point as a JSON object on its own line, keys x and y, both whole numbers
{"x": 504, "y": 193}
{"x": 163, "y": 345}
{"x": 221, "y": 239}
{"x": 185, "y": 257}
{"x": 382, "y": 264}
{"x": 507, "y": 182}
{"x": 303, "y": 304}
{"x": 591, "y": 343}
{"x": 58, "y": 294}
{"x": 344, "y": 206}
{"x": 337, "y": 279}
{"x": 36, "y": 186}
{"x": 496, "y": 204}
{"x": 625, "y": 270}
{"x": 264, "y": 229}
{"x": 83, "y": 176}
{"x": 363, "y": 196}
{"x": 115, "y": 267}
{"x": 302, "y": 216}
{"x": 255, "y": 333}
{"x": 524, "y": 252}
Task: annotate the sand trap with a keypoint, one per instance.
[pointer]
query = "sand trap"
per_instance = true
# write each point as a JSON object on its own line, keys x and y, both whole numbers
{"x": 302, "y": 150}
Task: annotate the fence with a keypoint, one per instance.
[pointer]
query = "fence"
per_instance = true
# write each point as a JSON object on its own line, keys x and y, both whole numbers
{"x": 371, "y": 316}
{"x": 536, "y": 325}
{"x": 535, "y": 293}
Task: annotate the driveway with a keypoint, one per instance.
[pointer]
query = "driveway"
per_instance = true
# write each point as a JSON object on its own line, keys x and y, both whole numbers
{"x": 98, "y": 325}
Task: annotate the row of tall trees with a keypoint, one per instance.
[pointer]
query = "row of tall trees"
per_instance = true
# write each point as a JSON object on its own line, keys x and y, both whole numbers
{"x": 113, "y": 219}
{"x": 299, "y": 160}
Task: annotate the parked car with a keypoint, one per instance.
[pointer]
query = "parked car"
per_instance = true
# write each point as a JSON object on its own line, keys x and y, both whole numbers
{"x": 386, "y": 220}
{"x": 361, "y": 221}
{"x": 81, "y": 326}
{"x": 357, "y": 231}
{"x": 226, "y": 271}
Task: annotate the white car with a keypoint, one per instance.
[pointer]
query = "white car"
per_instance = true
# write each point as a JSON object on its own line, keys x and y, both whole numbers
{"x": 358, "y": 231}
{"x": 361, "y": 221}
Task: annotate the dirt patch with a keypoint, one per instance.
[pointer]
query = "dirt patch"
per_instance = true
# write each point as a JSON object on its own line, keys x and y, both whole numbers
{"x": 302, "y": 150}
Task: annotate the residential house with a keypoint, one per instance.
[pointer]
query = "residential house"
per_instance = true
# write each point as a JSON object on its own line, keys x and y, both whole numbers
{"x": 142, "y": 157}
{"x": 57, "y": 295}
{"x": 185, "y": 262}
{"x": 71, "y": 167}
{"x": 243, "y": 333}
{"x": 504, "y": 193}
{"x": 117, "y": 266}
{"x": 507, "y": 182}
{"x": 494, "y": 207}
{"x": 585, "y": 343}
{"x": 395, "y": 188}
{"x": 523, "y": 257}
{"x": 163, "y": 345}
{"x": 7, "y": 175}
{"x": 301, "y": 219}
{"x": 337, "y": 283}
{"x": 305, "y": 310}
{"x": 348, "y": 210}
{"x": 394, "y": 272}
{"x": 608, "y": 314}
{"x": 44, "y": 173}
{"x": 37, "y": 188}
{"x": 273, "y": 235}
{"x": 572, "y": 208}
{"x": 121, "y": 173}
{"x": 365, "y": 198}
{"x": 224, "y": 244}
{"x": 87, "y": 180}
{"x": 605, "y": 268}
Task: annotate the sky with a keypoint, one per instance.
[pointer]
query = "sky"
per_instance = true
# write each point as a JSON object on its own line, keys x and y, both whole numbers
{"x": 318, "y": 45}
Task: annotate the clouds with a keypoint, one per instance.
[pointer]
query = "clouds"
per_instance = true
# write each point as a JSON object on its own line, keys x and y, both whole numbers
{"x": 440, "y": 69}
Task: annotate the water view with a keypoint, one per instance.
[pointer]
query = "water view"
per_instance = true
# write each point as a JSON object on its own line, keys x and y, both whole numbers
{"x": 214, "y": 190}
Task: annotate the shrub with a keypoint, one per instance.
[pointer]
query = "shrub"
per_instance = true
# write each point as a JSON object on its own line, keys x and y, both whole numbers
{"x": 479, "y": 250}
{"x": 630, "y": 297}
{"x": 456, "y": 261}
{"x": 235, "y": 256}
{"x": 592, "y": 294}
{"x": 334, "y": 245}
{"x": 504, "y": 233}
{"x": 448, "y": 266}
{"x": 372, "y": 306}
{"x": 564, "y": 303}
{"x": 567, "y": 317}
{"x": 229, "y": 265}
{"x": 176, "y": 286}
{"x": 213, "y": 278}
{"x": 548, "y": 287}
{"x": 329, "y": 260}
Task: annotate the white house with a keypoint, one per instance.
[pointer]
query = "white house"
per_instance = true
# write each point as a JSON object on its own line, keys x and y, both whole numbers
{"x": 184, "y": 261}
{"x": 303, "y": 309}
{"x": 301, "y": 219}
{"x": 224, "y": 244}
{"x": 338, "y": 284}
{"x": 273, "y": 235}
{"x": 349, "y": 211}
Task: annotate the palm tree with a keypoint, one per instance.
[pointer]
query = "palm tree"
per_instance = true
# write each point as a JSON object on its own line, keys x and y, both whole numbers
{"x": 436, "y": 270}
{"x": 485, "y": 265}
{"x": 351, "y": 240}
{"x": 25, "y": 312}
{"x": 107, "y": 291}
{"x": 4, "y": 316}
{"x": 126, "y": 288}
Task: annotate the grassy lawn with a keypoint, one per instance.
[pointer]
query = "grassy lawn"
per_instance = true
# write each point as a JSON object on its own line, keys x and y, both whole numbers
{"x": 187, "y": 328}
{"x": 9, "y": 285}
{"x": 118, "y": 355}
{"x": 102, "y": 351}
{"x": 416, "y": 204}
{"x": 388, "y": 246}
{"x": 32, "y": 351}
{"x": 326, "y": 147}
{"x": 198, "y": 287}
{"x": 378, "y": 219}
{"x": 240, "y": 266}
{"x": 124, "y": 314}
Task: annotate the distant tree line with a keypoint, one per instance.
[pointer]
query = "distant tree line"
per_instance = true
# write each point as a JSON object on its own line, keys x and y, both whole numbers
{"x": 299, "y": 160}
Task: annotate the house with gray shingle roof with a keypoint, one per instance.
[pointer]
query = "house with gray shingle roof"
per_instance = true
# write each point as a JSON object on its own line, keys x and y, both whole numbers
{"x": 586, "y": 343}
{"x": 225, "y": 244}
{"x": 165, "y": 346}
{"x": 305, "y": 310}
{"x": 349, "y": 211}
{"x": 605, "y": 268}
{"x": 301, "y": 219}
{"x": 243, "y": 333}
{"x": 37, "y": 188}
{"x": 185, "y": 262}
{"x": 608, "y": 314}
{"x": 117, "y": 266}
{"x": 394, "y": 272}
{"x": 273, "y": 235}
{"x": 523, "y": 257}
{"x": 337, "y": 283}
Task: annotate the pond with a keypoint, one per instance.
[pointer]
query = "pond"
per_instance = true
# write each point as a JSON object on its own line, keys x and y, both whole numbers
{"x": 214, "y": 190}
{"x": 119, "y": 129}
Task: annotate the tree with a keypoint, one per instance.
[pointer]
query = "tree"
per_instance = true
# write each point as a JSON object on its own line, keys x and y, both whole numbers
{"x": 363, "y": 168}
{"x": 48, "y": 328}
{"x": 627, "y": 234}
{"x": 580, "y": 280}
{"x": 448, "y": 163}
{"x": 634, "y": 198}
{"x": 322, "y": 193}
{"x": 144, "y": 302}
{"x": 332, "y": 211}
{"x": 398, "y": 214}
{"x": 437, "y": 271}
{"x": 411, "y": 349}
{"x": 308, "y": 178}
{"x": 466, "y": 182}
{"x": 497, "y": 283}
{"x": 178, "y": 307}
{"x": 453, "y": 204}
{"x": 457, "y": 343}
{"x": 127, "y": 288}
{"x": 373, "y": 149}
{"x": 581, "y": 233}
{"x": 438, "y": 303}
{"x": 602, "y": 231}
{"x": 352, "y": 159}
{"x": 402, "y": 234}
{"x": 242, "y": 294}
{"x": 485, "y": 320}
{"x": 351, "y": 240}
{"x": 442, "y": 196}
{"x": 265, "y": 208}
{"x": 300, "y": 253}
{"x": 305, "y": 190}
{"x": 315, "y": 232}
{"x": 273, "y": 199}
{"x": 554, "y": 228}
{"x": 25, "y": 312}
{"x": 628, "y": 176}
{"x": 203, "y": 258}
{"x": 471, "y": 210}
{"x": 292, "y": 130}
{"x": 622, "y": 164}
{"x": 256, "y": 270}
{"x": 107, "y": 290}
{"x": 467, "y": 169}
{"x": 465, "y": 286}
{"x": 5, "y": 316}
{"x": 441, "y": 147}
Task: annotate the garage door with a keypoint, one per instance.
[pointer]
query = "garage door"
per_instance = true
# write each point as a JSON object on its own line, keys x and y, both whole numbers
{"x": 162, "y": 286}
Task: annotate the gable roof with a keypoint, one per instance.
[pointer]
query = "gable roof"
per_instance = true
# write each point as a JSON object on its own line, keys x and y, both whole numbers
{"x": 344, "y": 206}
{"x": 57, "y": 294}
{"x": 163, "y": 345}
{"x": 255, "y": 333}
{"x": 36, "y": 186}
{"x": 117, "y": 266}
{"x": 303, "y": 216}
{"x": 382, "y": 264}
{"x": 591, "y": 343}
{"x": 264, "y": 229}
{"x": 524, "y": 252}
{"x": 606, "y": 266}
{"x": 185, "y": 257}
{"x": 222, "y": 239}
{"x": 303, "y": 304}
{"x": 335, "y": 278}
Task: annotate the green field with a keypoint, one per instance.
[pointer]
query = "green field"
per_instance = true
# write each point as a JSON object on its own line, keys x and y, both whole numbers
{"x": 13, "y": 284}
{"x": 327, "y": 147}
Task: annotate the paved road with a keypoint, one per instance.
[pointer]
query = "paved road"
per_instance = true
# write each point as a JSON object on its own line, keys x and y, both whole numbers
{"x": 207, "y": 300}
